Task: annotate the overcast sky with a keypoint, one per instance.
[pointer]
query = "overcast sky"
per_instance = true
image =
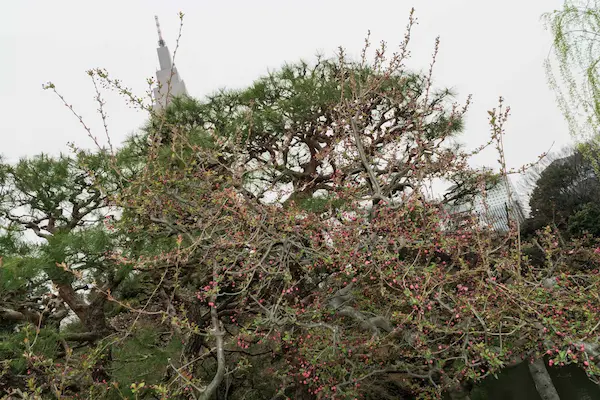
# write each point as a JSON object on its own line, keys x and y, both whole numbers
{"x": 488, "y": 49}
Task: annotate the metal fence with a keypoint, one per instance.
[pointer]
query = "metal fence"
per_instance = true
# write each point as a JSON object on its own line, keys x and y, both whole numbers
{"x": 498, "y": 218}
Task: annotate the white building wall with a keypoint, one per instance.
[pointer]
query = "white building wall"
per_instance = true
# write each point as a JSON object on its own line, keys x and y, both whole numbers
{"x": 169, "y": 83}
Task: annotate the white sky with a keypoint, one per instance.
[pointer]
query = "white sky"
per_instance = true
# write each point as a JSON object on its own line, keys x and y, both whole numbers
{"x": 488, "y": 48}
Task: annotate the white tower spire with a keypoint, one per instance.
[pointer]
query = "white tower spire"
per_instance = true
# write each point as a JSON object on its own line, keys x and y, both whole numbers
{"x": 161, "y": 42}
{"x": 169, "y": 83}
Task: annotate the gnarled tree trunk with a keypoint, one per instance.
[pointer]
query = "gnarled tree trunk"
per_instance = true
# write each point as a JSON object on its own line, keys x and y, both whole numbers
{"x": 543, "y": 381}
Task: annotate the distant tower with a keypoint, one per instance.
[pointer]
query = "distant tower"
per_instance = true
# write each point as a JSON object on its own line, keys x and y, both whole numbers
{"x": 168, "y": 80}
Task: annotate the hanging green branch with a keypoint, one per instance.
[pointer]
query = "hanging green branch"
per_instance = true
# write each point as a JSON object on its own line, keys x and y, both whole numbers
{"x": 573, "y": 72}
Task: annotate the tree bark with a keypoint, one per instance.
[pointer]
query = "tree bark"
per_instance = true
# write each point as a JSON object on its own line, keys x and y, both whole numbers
{"x": 17, "y": 316}
{"x": 542, "y": 380}
{"x": 91, "y": 315}
{"x": 218, "y": 332}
